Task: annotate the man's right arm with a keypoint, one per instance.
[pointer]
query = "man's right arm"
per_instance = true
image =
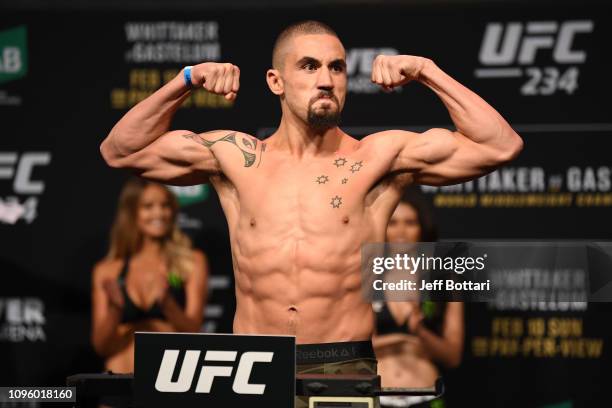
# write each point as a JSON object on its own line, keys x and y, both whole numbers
{"x": 141, "y": 140}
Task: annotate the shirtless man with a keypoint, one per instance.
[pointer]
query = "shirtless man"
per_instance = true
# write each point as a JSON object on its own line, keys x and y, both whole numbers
{"x": 300, "y": 204}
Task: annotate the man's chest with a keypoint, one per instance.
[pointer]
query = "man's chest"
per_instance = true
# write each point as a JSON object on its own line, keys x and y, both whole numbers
{"x": 330, "y": 185}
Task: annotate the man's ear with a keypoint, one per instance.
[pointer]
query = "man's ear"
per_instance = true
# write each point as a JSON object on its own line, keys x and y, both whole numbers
{"x": 275, "y": 82}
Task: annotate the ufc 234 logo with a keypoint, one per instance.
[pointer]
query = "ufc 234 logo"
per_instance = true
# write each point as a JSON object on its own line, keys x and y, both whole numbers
{"x": 208, "y": 373}
{"x": 510, "y": 50}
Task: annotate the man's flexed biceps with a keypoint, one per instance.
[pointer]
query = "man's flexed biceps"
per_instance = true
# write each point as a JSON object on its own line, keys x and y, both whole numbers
{"x": 142, "y": 139}
{"x": 482, "y": 141}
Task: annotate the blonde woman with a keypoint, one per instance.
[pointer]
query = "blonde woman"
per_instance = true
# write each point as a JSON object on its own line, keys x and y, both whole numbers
{"x": 151, "y": 279}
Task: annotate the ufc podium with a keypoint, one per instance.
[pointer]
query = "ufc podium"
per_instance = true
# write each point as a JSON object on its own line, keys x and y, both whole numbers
{"x": 195, "y": 370}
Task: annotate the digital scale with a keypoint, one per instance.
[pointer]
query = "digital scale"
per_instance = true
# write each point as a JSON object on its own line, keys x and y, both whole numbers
{"x": 323, "y": 391}
{"x": 353, "y": 391}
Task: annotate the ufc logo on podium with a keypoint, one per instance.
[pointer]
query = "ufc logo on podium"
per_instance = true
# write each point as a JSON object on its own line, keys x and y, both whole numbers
{"x": 218, "y": 370}
{"x": 208, "y": 373}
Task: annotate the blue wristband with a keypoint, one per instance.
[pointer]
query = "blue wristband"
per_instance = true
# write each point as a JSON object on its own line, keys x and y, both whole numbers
{"x": 187, "y": 76}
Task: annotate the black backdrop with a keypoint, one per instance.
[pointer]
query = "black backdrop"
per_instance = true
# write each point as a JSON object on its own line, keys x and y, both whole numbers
{"x": 67, "y": 77}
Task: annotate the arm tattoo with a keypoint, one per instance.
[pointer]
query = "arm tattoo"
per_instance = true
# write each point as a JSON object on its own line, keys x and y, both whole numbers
{"x": 251, "y": 144}
{"x": 197, "y": 139}
{"x": 263, "y": 149}
{"x": 249, "y": 158}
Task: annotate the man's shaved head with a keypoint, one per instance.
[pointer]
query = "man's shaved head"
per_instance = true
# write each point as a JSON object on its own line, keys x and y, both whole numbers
{"x": 299, "y": 28}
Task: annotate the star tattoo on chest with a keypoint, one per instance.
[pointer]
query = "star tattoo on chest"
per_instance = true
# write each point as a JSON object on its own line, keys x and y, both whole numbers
{"x": 344, "y": 180}
{"x": 336, "y": 202}
{"x": 322, "y": 179}
{"x": 340, "y": 162}
{"x": 356, "y": 166}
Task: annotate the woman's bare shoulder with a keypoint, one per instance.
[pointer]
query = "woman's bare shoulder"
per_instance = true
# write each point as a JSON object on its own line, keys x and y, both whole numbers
{"x": 107, "y": 268}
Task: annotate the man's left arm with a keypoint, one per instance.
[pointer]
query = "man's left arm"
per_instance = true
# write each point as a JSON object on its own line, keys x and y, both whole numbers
{"x": 482, "y": 141}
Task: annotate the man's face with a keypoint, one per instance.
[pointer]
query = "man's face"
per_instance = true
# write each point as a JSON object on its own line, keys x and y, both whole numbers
{"x": 314, "y": 75}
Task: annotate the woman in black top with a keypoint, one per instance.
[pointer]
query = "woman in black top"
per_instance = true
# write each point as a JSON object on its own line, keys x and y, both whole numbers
{"x": 415, "y": 339}
{"x": 151, "y": 279}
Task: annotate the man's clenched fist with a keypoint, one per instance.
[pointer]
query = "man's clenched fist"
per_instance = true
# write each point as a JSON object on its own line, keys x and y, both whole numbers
{"x": 390, "y": 71}
{"x": 218, "y": 78}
